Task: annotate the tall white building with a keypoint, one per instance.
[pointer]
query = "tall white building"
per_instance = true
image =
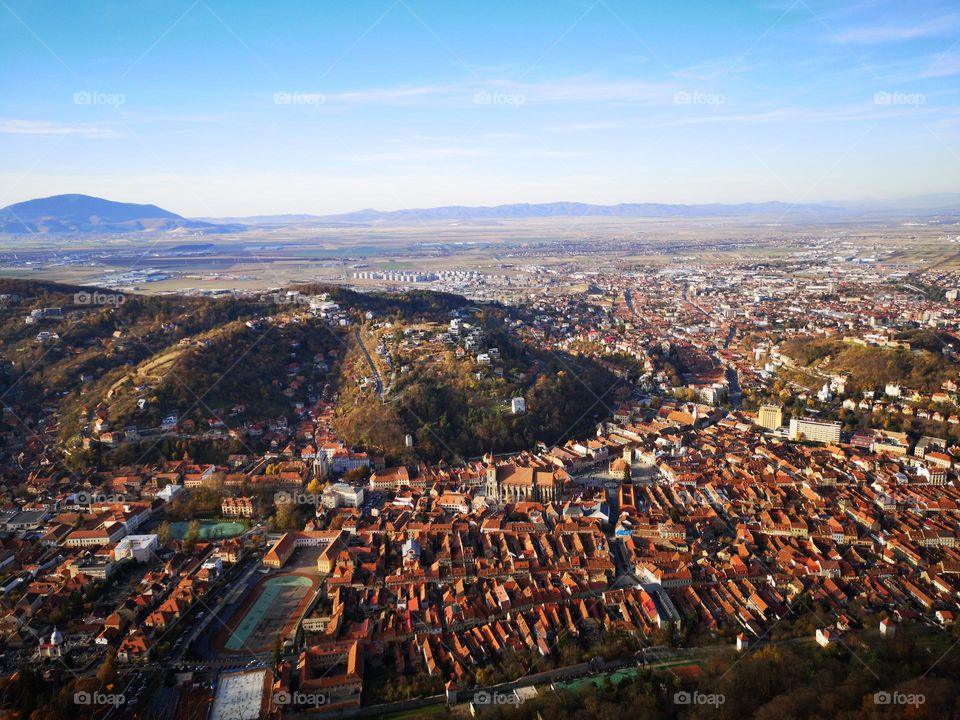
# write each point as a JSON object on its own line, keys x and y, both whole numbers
{"x": 814, "y": 430}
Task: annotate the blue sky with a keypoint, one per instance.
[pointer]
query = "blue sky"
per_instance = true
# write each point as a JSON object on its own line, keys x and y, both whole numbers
{"x": 210, "y": 107}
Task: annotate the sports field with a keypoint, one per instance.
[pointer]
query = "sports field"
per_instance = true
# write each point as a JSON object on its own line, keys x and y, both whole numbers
{"x": 274, "y": 608}
{"x": 209, "y": 529}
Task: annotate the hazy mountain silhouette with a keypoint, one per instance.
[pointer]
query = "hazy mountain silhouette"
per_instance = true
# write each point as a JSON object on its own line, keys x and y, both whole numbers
{"x": 84, "y": 213}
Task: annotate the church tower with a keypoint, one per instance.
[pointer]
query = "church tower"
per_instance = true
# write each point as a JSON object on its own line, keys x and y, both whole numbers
{"x": 493, "y": 487}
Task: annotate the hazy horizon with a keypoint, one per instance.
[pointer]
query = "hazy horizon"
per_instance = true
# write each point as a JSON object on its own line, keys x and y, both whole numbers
{"x": 932, "y": 201}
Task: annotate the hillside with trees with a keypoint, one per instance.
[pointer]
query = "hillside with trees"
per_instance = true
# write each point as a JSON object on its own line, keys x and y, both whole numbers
{"x": 870, "y": 367}
{"x": 123, "y": 367}
{"x": 855, "y": 680}
{"x": 457, "y": 408}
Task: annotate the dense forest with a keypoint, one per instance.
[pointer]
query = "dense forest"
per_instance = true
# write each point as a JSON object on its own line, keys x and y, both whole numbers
{"x": 409, "y": 305}
{"x": 453, "y": 414}
{"x": 854, "y": 681}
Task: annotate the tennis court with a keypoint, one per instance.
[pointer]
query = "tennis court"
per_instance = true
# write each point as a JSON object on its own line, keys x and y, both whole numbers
{"x": 209, "y": 529}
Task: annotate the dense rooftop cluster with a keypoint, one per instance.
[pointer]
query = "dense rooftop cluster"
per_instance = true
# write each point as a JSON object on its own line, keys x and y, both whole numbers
{"x": 720, "y": 500}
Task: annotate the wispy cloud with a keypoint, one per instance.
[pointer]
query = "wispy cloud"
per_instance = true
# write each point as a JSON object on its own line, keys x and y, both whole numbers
{"x": 716, "y": 68}
{"x": 589, "y": 90}
{"x": 43, "y": 127}
{"x": 797, "y": 115}
{"x": 893, "y": 31}
{"x": 588, "y": 126}
{"x": 944, "y": 66}
{"x": 565, "y": 90}
{"x": 388, "y": 96}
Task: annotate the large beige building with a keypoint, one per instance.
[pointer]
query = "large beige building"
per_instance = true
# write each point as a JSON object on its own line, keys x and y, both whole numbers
{"x": 770, "y": 416}
{"x": 814, "y": 430}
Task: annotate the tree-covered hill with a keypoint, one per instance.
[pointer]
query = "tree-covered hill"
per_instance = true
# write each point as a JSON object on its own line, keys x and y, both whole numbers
{"x": 117, "y": 368}
{"x": 456, "y": 406}
{"x": 921, "y": 368}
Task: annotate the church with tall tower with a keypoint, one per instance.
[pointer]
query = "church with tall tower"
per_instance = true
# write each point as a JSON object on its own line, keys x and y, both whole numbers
{"x": 512, "y": 483}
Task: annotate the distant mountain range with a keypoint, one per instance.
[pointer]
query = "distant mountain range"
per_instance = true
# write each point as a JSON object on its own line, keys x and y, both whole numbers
{"x": 69, "y": 214}
{"x": 574, "y": 209}
{"x": 927, "y": 204}
{"x": 76, "y": 214}
{"x": 519, "y": 211}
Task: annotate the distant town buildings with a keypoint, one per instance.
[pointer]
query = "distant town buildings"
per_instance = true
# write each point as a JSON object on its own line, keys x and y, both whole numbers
{"x": 396, "y": 276}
